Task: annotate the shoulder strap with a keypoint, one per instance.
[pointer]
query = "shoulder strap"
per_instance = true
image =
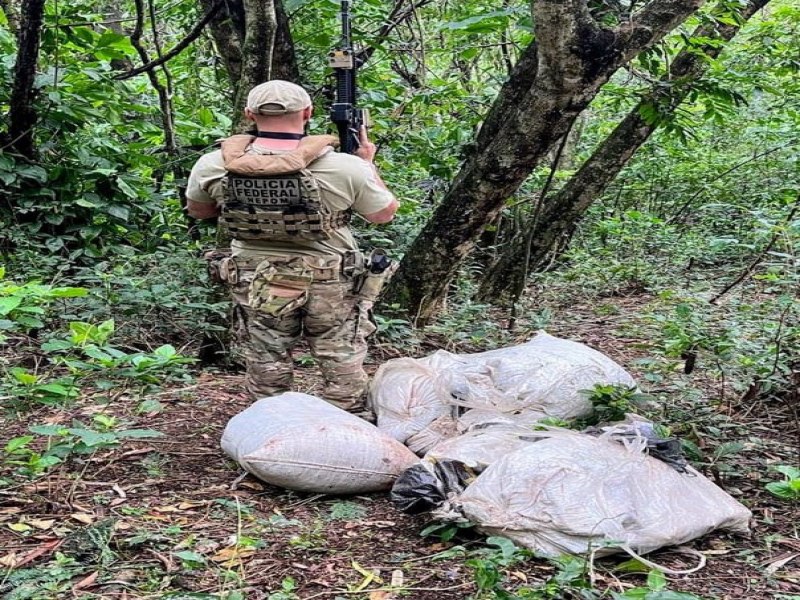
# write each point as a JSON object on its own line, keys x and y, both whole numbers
{"x": 249, "y": 164}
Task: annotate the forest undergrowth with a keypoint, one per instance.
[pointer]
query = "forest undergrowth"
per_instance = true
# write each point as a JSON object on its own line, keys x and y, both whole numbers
{"x": 682, "y": 266}
{"x": 113, "y": 484}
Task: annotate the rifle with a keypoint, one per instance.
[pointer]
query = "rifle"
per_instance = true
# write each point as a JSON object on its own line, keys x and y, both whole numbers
{"x": 345, "y": 115}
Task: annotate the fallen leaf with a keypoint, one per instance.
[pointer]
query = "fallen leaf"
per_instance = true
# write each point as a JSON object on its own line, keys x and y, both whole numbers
{"x": 379, "y": 595}
{"x": 42, "y": 523}
{"x": 86, "y": 582}
{"x": 83, "y": 518}
{"x": 37, "y": 552}
{"x": 520, "y": 575}
{"x": 122, "y": 526}
{"x": 252, "y": 485}
{"x": 780, "y": 562}
{"x": 379, "y": 523}
{"x": 19, "y": 527}
{"x": 119, "y": 491}
{"x": 9, "y": 560}
{"x": 206, "y": 547}
{"x": 188, "y": 504}
{"x": 232, "y": 554}
{"x": 10, "y": 510}
{"x": 369, "y": 576}
{"x": 167, "y": 509}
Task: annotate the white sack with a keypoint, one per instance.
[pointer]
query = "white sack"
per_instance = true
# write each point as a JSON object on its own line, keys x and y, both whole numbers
{"x": 421, "y": 402}
{"x": 574, "y": 492}
{"x": 303, "y": 443}
{"x": 479, "y": 448}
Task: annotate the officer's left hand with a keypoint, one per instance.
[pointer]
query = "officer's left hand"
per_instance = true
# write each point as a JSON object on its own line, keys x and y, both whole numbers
{"x": 367, "y": 149}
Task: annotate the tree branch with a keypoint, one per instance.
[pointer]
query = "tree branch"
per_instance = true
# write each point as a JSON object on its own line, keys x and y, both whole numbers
{"x": 177, "y": 49}
{"x": 393, "y": 19}
{"x": 656, "y": 19}
{"x": 760, "y": 256}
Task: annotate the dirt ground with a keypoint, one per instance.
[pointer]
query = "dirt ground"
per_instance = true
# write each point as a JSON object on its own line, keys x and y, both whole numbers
{"x": 169, "y": 517}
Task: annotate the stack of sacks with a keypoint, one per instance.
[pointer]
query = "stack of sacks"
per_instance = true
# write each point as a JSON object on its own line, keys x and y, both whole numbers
{"x": 421, "y": 402}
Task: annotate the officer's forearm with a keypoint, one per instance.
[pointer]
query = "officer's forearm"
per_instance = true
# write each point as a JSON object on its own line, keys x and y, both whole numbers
{"x": 202, "y": 210}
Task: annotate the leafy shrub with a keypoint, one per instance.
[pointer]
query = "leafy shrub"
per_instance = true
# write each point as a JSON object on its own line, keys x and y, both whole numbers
{"x": 789, "y": 488}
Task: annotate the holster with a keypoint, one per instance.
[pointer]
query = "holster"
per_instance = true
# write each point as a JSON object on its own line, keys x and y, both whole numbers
{"x": 368, "y": 284}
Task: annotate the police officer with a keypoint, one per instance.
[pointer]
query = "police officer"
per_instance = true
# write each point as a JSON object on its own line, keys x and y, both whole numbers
{"x": 295, "y": 270}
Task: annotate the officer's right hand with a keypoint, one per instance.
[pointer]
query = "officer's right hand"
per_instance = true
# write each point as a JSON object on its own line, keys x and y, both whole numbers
{"x": 367, "y": 149}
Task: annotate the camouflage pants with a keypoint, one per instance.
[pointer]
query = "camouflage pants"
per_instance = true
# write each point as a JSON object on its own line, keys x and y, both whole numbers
{"x": 334, "y": 322}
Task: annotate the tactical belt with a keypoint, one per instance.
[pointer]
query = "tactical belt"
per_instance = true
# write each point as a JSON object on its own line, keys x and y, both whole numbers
{"x": 251, "y": 263}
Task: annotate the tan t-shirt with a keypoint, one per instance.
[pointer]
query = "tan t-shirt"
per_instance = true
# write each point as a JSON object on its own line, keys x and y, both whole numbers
{"x": 345, "y": 182}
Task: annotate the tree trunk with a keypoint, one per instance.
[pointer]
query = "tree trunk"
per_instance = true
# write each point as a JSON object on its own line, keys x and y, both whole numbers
{"x": 22, "y": 115}
{"x": 563, "y": 210}
{"x": 284, "y": 60}
{"x": 574, "y": 57}
{"x": 254, "y": 40}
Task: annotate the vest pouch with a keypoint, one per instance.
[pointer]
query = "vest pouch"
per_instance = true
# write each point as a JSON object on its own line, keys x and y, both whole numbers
{"x": 217, "y": 264}
{"x": 324, "y": 268}
{"x": 279, "y": 287}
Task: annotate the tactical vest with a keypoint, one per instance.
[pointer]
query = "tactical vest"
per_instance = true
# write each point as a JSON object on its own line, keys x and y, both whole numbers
{"x": 275, "y": 197}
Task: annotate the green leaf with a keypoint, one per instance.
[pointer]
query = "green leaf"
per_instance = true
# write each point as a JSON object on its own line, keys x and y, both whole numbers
{"x": 789, "y": 471}
{"x": 8, "y": 304}
{"x": 34, "y": 172}
{"x": 293, "y": 5}
{"x": 507, "y": 547}
{"x": 56, "y": 346}
{"x": 150, "y": 405}
{"x": 96, "y": 353}
{"x": 68, "y": 292}
{"x": 92, "y": 438}
{"x": 16, "y": 443}
{"x": 656, "y": 580}
{"x": 29, "y": 322}
{"x": 48, "y": 430}
{"x": 190, "y": 556}
{"x": 58, "y": 389}
{"x": 491, "y": 21}
{"x": 122, "y": 213}
{"x": 125, "y": 188}
{"x": 54, "y": 244}
{"x": 23, "y": 376}
{"x": 86, "y": 203}
{"x": 165, "y": 351}
{"x": 784, "y": 490}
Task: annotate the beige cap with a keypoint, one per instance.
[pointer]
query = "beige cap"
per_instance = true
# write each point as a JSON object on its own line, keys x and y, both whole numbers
{"x": 277, "y": 97}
